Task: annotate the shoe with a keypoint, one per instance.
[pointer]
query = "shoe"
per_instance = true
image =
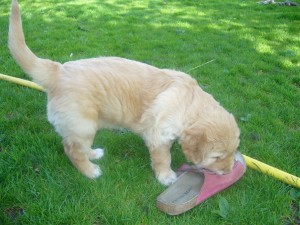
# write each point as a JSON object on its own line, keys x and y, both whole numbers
{"x": 194, "y": 186}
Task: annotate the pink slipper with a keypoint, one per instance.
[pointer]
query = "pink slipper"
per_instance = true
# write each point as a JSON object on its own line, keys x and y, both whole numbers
{"x": 194, "y": 186}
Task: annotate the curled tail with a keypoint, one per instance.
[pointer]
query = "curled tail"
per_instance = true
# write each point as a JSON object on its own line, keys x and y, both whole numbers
{"x": 43, "y": 71}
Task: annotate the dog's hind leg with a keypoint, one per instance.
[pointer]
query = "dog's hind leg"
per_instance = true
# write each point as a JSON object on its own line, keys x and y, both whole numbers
{"x": 77, "y": 145}
{"x": 78, "y": 152}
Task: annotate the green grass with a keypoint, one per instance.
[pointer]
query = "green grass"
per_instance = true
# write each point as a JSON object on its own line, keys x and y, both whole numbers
{"x": 255, "y": 74}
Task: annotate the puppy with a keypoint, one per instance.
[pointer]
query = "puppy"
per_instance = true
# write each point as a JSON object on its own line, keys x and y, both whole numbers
{"x": 160, "y": 105}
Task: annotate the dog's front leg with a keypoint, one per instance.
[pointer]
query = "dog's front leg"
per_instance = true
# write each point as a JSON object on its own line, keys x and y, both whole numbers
{"x": 161, "y": 164}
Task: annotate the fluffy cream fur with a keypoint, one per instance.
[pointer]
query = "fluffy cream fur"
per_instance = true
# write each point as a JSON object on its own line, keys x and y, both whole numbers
{"x": 161, "y": 105}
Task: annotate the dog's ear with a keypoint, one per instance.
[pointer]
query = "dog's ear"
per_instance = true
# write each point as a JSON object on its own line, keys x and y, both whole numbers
{"x": 194, "y": 144}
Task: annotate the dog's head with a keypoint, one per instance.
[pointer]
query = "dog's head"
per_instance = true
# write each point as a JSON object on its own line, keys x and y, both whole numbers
{"x": 212, "y": 144}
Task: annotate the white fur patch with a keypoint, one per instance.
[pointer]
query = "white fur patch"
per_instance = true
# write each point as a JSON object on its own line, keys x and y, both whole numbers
{"x": 95, "y": 173}
{"x": 97, "y": 153}
{"x": 167, "y": 178}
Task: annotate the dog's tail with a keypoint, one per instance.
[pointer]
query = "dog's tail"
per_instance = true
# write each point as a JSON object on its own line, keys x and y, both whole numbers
{"x": 43, "y": 71}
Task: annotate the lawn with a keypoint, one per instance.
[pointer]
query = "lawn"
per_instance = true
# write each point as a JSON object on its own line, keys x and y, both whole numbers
{"x": 247, "y": 55}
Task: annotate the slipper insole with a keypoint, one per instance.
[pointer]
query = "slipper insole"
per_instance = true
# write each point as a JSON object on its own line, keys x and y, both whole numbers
{"x": 186, "y": 188}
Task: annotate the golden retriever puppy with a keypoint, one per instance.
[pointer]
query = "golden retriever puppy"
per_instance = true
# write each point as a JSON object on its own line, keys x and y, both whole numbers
{"x": 158, "y": 104}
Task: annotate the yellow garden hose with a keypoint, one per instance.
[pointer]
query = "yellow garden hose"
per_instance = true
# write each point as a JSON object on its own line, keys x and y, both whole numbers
{"x": 272, "y": 171}
{"x": 252, "y": 163}
{"x": 21, "y": 82}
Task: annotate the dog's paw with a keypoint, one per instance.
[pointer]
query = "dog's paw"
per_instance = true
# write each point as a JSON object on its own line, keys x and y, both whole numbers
{"x": 93, "y": 172}
{"x": 167, "y": 178}
{"x": 97, "y": 153}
